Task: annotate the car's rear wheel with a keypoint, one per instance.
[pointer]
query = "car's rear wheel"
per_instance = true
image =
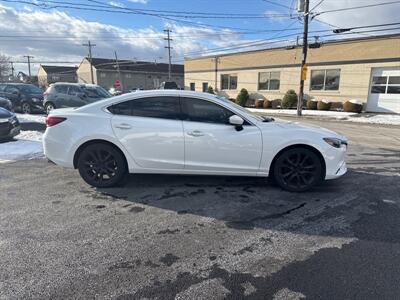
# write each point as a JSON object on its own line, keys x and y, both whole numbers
{"x": 102, "y": 165}
{"x": 298, "y": 169}
{"x": 26, "y": 108}
{"x": 49, "y": 107}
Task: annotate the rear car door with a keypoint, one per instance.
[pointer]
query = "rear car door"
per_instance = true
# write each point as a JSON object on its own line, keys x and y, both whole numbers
{"x": 75, "y": 97}
{"x": 212, "y": 144}
{"x": 14, "y": 95}
{"x": 151, "y": 130}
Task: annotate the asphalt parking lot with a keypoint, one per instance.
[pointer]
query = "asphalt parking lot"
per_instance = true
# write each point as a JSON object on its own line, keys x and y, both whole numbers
{"x": 193, "y": 237}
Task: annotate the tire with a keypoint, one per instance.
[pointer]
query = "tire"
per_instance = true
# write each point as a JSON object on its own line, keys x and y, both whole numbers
{"x": 49, "y": 107}
{"x": 26, "y": 108}
{"x": 102, "y": 165}
{"x": 298, "y": 170}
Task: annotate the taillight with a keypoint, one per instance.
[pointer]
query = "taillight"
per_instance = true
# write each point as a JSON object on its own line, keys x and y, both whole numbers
{"x": 45, "y": 94}
{"x": 51, "y": 121}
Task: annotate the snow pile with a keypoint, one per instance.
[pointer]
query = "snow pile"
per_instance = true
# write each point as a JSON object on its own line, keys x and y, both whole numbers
{"x": 324, "y": 113}
{"x": 383, "y": 119}
{"x": 25, "y": 118}
{"x": 28, "y": 145}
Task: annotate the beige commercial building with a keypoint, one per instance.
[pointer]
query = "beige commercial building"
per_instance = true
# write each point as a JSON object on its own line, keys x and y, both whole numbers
{"x": 367, "y": 69}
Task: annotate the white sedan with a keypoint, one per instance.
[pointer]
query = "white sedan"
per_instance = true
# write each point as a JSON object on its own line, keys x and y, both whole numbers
{"x": 183, "y": 132}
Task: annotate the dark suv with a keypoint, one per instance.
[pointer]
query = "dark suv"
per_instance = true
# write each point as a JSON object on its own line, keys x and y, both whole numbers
{"x": 60, "y": 95}
{"x": 24, "y": 97}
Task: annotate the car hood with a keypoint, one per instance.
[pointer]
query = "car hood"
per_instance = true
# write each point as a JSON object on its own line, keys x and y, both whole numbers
{"x": 4, "y": 113}
{"x": 296, "y": 126}
{"x": 39, "y": 96}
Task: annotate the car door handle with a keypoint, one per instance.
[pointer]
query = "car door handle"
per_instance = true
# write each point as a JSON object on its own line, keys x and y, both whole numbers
{"x": 123, "y": 126}
{"x": 195, "y": 133}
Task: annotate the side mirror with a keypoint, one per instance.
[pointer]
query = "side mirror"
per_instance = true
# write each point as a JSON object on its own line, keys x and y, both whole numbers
{"x": 237, "y": 122}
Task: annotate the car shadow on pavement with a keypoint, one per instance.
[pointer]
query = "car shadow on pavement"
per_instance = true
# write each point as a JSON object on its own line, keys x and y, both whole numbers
{"x": 245, "y": 203}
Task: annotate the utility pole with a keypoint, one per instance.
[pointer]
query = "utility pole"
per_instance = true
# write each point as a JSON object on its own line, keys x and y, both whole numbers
{"x": 303, "y": 76}
{"x": 168, "y": 39}
{"x": 29, "y": 64}
{"x": 90, "y": 45}
{"x": 119, "y": 71}
{"x": 216, "y": 61}
{"x": 12, "y": 69}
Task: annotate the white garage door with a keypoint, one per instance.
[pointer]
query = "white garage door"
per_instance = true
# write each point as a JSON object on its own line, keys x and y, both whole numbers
{"x": 384, "y": 94}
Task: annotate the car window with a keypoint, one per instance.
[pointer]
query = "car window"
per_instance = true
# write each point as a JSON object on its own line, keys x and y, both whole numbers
{"x": 74, "y": 90}
{"x": 198, "y": 110}
{"x": 150, "y": 107}
{"x": 2, "y": 87}
{"x": 96, "y": 92}
{"x": 61, "y": 89}
{"x": 10, "y": 89}
{"x": 31, "y": 89}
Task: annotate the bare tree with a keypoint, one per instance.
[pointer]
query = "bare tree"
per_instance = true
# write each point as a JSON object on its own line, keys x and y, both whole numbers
{"x": 5, "y": 66}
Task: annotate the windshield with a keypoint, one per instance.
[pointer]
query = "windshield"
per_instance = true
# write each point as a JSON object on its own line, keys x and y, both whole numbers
{"x": 97, "y": 92}
{"x": 240, "y": 108}
{"x": 31, "y": 89}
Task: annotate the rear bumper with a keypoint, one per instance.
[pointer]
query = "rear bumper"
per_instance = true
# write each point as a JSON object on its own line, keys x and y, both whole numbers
{"x": 56, "y": 151}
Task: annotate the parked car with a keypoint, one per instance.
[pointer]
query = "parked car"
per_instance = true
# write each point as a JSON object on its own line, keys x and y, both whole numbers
{"x": 184, "y": 132}
{"x": 169, "y": 85}
{"x": 61, "y": 95}
{"x": 6, "y": 104}
{"x": 9, "y": 125}
{"x": 24, "y": 97}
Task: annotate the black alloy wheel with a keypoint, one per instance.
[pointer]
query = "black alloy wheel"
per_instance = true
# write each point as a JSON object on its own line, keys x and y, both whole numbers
{"x": 102, "y": 165}
{"x": 298, "y": 170}
{"x": 26, "y": 108}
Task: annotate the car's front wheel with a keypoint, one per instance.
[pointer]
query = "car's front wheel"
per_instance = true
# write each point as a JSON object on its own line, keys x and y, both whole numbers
{"x": 298, "y": 169}
{"x": 26, "y": 108}
{"x": 102, "y": 165}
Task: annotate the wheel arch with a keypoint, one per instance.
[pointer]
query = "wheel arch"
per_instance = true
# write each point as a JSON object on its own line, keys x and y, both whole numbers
{"x": 313, "y": 149}
{"x": 95, "y": 141}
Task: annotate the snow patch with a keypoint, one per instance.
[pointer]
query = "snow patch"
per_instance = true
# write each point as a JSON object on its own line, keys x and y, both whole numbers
{"x": 25, "y": 118}
{"x": 27, "y": 145}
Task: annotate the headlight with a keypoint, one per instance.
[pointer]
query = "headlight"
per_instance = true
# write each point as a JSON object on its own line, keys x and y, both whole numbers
{"x": 35, "y": 99}
{"x": 335, "y": 142}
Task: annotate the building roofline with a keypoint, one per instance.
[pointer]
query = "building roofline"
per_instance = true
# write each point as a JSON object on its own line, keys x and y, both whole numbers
{"x": 328, "y": 42}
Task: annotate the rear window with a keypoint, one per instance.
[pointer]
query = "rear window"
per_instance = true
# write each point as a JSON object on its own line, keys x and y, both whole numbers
{"x": 62, "y": 89}
{"x": 151, "y": 107}
{"x": 97, "y": 92}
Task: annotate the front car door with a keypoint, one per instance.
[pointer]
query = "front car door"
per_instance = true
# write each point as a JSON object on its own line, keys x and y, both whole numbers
{"x": 214, "y": 145}
{"x": 151, "y": 130}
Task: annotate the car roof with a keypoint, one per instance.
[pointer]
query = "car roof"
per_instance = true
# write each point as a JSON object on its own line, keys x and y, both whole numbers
{"x": 75, "y": 84}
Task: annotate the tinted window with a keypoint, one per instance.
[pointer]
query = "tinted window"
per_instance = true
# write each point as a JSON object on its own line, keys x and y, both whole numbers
{"x": 2, "y": 87}
{"x": 62, "y": 89}
{"x": 96, "y": 92}
{"x": 74, "y": 90}
{"x": 10, "y": 89}
{"x": 31, "y": 89}
{"x": 198, "y": 110}
{"x": 152, "y": 107}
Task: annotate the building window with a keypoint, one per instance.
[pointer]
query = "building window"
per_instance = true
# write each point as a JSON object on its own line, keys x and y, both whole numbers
{"x": 228, "y": 81}
{"x": 269, "y": 81}
{"x": 385, "y": 85}
{"x": 205, "y": 86}
{"x": 192, "y": 86}
{"x": 103, "y": 75}
{"x": 128, "y": 75}
{"x": 325, "y": 80}
{"x": 55, "y": 78}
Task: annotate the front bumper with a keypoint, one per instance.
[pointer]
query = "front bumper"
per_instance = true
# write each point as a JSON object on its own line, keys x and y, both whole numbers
{"x": 335, "y": 161}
